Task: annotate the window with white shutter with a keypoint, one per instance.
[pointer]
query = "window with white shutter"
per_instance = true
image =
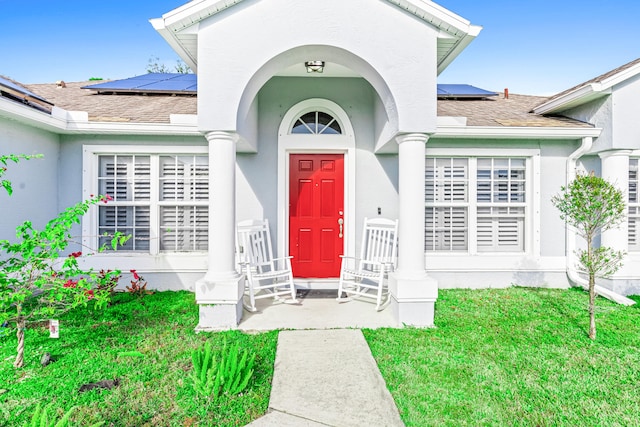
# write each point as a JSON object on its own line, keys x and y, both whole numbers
{"x": 160, "y": 200}
{"x": 491, "y": 210}
{"x": 446, "y": 196}
{"x": 501, "y": 204}
{"x": 184, "y": 211}
{"x": 634, "y": 207}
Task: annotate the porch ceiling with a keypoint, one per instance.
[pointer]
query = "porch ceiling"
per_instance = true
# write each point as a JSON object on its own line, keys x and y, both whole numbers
{"x": 180, "y": 27}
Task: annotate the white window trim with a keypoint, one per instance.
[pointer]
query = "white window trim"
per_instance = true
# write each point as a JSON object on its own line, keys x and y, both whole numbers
{"x": 90, "y": 163}
{"x": 635, "y": 250}
{"x": 532, "y": 210}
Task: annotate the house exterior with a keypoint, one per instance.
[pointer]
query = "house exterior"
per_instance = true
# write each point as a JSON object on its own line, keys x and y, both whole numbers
{"x": 470, "y": 179}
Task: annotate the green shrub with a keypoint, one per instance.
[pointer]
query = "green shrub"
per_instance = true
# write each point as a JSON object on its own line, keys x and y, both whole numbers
{"x": 227, "y": 371}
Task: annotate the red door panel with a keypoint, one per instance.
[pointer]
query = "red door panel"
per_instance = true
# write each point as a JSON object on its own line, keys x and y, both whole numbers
{"x": 316, "y": 202}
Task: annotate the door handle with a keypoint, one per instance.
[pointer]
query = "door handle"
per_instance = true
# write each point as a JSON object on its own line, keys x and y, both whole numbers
{"x": 340, "y": 222}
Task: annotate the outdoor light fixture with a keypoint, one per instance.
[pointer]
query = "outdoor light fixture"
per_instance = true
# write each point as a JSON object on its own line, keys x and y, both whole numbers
{"x": 314, "y": 66}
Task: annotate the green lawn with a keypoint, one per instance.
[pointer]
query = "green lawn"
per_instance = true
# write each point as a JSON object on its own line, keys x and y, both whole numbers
{"x": 515, "y": 357}
{"x": 154, "y": 388}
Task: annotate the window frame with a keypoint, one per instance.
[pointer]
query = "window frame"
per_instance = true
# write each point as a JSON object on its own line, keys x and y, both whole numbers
{"x": 635, "y": 249}
{"x": 90, "y": 186}
{"x": 531, "y": 226}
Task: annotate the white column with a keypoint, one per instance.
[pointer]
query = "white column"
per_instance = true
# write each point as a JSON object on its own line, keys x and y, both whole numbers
{"x": 615, "y": 169}
{"x": 219, "y": 293}
{"x": 222, "y": 209}
{"x": 411, "y": 185}
{"x": 413, "y": 293}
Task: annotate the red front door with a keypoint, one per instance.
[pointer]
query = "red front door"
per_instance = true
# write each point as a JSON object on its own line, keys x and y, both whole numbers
{"x": 316, "y": 214}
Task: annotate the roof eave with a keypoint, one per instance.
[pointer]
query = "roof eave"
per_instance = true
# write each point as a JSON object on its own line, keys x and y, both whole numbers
{"x": 59, "y": 122}
{"x": 189, "y": 15}
{"x": 516, "y": 132}
{"x": 190, "y": 58}
{"x": 30, "y": 116}
{"x": 574, "y": 98}
{"x": 444, "y": 62}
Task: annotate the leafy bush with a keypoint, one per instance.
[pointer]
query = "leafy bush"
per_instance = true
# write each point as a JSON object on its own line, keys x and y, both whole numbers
{"x": 226, "y": 372}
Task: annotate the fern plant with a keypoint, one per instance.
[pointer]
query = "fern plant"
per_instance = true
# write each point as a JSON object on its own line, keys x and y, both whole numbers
{"x": 45, "y": 417}
{"x": 227, "y": 371}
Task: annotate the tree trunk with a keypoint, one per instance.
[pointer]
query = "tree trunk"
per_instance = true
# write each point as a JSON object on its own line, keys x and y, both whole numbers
{"x": 592, "y": 306}
{"x": 19, "y": 363}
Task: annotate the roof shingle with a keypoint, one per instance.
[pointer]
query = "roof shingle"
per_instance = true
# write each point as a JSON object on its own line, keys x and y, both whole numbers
{"x": 136, "y": 108}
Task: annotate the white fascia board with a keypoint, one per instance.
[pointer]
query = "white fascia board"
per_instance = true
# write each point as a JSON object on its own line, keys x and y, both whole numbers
{"x": 515, "y": 132}
{"x": 436, "y": 15}
{"x": 29, "y": 116}
{"x": 621, "y": 77}
{"x": 168, "y": 35}
{"x": 119, "y": 128}
{"x": 195, "y": 11}
{"x": 587, "y": 93}
{"x": 185, "y": 17}
{"x": 572, "y": 99}
{"x": 459, "y": 47}
{"x": 60, "y": 123}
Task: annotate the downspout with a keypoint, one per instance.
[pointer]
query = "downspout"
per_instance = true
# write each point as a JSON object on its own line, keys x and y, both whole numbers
{"x": 572, "y": 272}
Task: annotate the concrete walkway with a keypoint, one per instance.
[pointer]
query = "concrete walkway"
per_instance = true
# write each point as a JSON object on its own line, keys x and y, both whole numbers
{"x": 327, "y": 378}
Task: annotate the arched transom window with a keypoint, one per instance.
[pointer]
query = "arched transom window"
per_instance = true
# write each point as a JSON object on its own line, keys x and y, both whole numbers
{"x": 316, "y": 123}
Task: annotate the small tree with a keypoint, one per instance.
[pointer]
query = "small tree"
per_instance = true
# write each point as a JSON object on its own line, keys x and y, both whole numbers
{"x": 155, "y": 66}
{"x": 592, "y": 205}
{"x": 37, "y": 282}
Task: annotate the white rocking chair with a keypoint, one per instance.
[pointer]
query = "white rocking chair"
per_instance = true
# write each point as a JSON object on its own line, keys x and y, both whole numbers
{"x": 365, "y": 276}
{"x": 266, "y": 276}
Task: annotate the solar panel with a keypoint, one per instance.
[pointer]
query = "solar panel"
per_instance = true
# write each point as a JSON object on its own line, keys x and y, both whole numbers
{"x": 17, "y": 90}
{"x": 151, "y": 83}
{"x": 179, "y": 83}
{"x": 462, "y": 91}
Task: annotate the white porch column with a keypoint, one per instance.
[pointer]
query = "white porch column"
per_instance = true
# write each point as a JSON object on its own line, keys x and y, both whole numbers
{"x": 615, "y": 169}
{"x": 219, "y": 292}
{"x": 413, "y": 294}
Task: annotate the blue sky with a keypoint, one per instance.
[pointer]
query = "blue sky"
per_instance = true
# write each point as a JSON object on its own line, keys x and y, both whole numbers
{"x": 535, "y": 47}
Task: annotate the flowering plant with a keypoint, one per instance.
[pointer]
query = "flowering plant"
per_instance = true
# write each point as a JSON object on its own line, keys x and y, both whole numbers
{"x": 37, "y": 282}
{"x": 138, "y": 285}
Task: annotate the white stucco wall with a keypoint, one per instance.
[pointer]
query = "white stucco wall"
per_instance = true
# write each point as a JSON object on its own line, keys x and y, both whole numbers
{"x": 376, "y": 175}
{"x": 599, "y": 114}
{"x": 626, "y": 114}
{"x": 242, "y": 47}
{"x": 35, "y": 182}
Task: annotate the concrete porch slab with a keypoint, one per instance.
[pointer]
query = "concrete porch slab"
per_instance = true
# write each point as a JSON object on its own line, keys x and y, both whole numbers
{"x": 316, "y": 313}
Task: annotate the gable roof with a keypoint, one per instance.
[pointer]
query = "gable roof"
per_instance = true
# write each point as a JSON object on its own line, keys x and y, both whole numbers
{"x": 180, "y": 27}
{"x": 588, "y": 91}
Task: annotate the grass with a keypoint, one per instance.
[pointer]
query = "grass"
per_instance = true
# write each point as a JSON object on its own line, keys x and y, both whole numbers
{"x": 144, "y": 342}
{"x": 517, "y": 357}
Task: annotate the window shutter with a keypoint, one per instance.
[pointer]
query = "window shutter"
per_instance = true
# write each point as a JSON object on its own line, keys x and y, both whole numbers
{"x": 634, "y": 207}
{"x": 500, "y": 229}
{"x": 446, "y": 196}
{"x": 184, "y": 180}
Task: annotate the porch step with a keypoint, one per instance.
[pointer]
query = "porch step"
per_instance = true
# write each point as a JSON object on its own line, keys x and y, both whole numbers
{"x": 303, "y": 283}
{"x": 327, "y": 378}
